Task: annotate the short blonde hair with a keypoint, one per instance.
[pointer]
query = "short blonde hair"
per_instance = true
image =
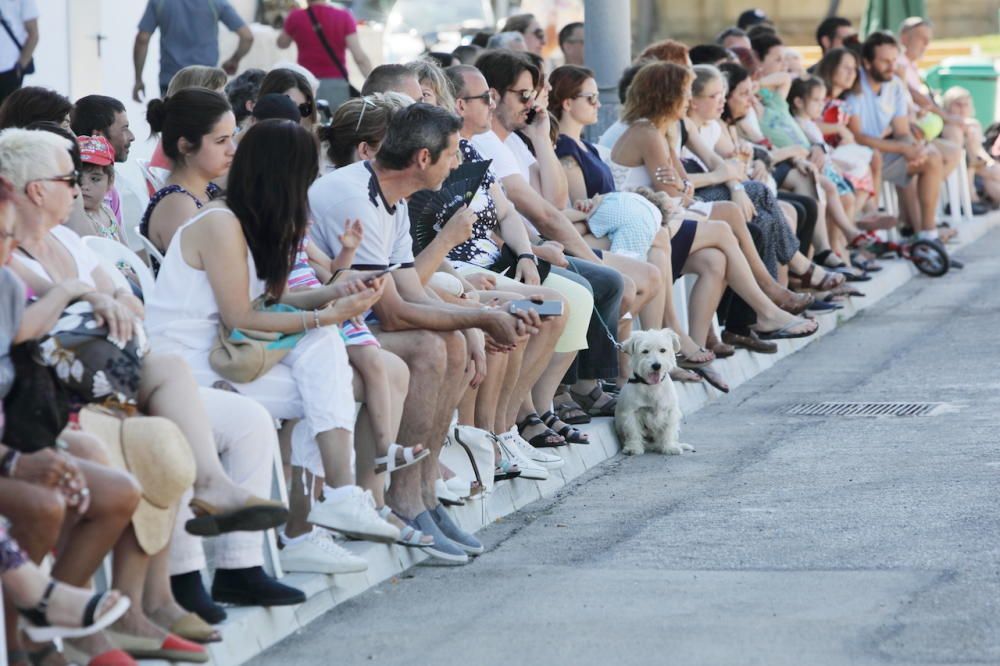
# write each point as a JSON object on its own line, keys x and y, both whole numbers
{"x": 27, "y": 155}
{"x": 430, "y": 73}
{"x": 953, "y": 94}
{"x": 197, "y": 76}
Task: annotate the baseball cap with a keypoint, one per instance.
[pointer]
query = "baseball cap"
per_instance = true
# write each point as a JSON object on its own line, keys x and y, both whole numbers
{"x": 96, "y": 150}
{"x": 751, "y": 17}
{"x": 276, "y": 105}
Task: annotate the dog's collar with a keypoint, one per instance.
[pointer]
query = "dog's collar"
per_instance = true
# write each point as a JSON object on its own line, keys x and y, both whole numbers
{"x": 636, "y": 379}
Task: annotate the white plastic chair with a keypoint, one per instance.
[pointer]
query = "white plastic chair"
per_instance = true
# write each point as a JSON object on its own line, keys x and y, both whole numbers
{"x": 112, "y": 252}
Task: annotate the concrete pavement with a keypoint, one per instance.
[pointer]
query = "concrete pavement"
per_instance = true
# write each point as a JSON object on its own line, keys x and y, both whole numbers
{"x": 783, "y": 540}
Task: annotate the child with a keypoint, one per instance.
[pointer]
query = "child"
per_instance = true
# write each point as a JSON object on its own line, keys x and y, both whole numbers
{"x": 311, "y": 270}
{"x": 96, "y": 179}
{"x": 806, "y": 99}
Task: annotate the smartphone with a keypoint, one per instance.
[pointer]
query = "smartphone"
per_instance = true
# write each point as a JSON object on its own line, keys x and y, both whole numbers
{"x": 532, "y": 113}
{"x": 543, "y": 308}
{"x": 382, "y": 272}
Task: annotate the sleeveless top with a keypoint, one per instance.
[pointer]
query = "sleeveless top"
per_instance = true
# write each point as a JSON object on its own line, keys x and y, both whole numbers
{"x": 481, "y": 249}
{"x": 83, "y": 257}
{"x": 182, "y": 311}
{"x": 597, "y": 175}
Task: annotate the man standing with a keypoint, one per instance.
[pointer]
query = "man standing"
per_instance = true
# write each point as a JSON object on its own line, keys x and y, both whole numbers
{"x": 879, "y": 119}
{"x": 571, "y": 43}
{"x": 18, "y": 39}
{"x": 835, "y": 32}
{"x": 189, "y": 35}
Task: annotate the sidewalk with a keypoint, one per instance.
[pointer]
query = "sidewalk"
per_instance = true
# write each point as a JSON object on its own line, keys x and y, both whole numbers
{"x": 251, "y": 630}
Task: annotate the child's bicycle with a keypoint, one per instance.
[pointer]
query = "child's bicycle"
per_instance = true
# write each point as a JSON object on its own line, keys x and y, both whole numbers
{"x": 929, "y": 257}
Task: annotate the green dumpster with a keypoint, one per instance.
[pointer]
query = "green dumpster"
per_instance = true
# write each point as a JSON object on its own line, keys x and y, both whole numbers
{"x": 978, "y": 75}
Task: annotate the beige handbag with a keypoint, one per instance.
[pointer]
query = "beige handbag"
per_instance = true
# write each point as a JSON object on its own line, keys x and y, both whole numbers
{"x": 241, "y": 355}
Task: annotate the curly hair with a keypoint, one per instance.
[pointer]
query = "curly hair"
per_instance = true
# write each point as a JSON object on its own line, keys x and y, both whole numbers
{"x": 666, "y": 50}
{"x": 657, "y": 93}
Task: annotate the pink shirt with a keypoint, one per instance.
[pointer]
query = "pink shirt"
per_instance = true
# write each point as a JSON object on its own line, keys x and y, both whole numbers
{"x": 114, "y": 202}
{"x": 337, "y": 24}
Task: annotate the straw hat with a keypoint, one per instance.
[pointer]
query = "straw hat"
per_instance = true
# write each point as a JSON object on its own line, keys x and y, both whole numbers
{"x": 156, "y": 453}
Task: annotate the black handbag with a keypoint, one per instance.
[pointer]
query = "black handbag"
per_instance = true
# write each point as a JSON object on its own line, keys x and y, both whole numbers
{"x": 37, "y": 406}
{"x": 318, "y": 29}
{"x": 30, "y": 67}
{"x": 507, "y": 262}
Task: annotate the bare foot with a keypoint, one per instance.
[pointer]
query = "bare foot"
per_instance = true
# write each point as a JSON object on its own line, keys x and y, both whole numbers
{"x": 167, "y": 616}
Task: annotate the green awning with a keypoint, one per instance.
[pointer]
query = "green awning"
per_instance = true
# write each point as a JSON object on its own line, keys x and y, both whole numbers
{"x": 888, "y": 14}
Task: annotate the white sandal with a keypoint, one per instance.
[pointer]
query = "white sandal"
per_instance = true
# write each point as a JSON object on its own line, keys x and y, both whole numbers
{"x": 387, "y": 463}
{"x": 409, "y": 536}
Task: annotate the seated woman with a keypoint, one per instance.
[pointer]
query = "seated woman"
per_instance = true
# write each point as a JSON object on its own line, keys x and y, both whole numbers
{"x": 293, "y": 84}
{"x": 573, "y": 103}
{"x": 739, "y": 103}
{"x": 59, "y": 269}
{"x": 242, "y": 249}
{"x": 196, "y": 129}
{"x": 640, "y": 152}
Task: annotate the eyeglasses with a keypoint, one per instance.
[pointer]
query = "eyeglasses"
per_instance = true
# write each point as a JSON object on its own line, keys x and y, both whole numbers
{"x": 525, "y": 95}
{"x": 592, "y": 98}
{"x": 72, "y": 179}
{"x": 485, "y": 98}
{"x": 365, "y": 103}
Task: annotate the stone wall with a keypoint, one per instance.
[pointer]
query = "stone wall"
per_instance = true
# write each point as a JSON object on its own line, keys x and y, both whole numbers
{"x": 697, "y": 21}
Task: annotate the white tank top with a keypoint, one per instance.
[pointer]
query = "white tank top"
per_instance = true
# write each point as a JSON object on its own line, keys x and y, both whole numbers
{"x": 84, "y": 258}
{"x": 182, "y": 313}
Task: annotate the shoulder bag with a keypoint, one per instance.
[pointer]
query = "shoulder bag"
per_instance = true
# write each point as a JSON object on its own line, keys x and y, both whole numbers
{"x": 318, "y": 29}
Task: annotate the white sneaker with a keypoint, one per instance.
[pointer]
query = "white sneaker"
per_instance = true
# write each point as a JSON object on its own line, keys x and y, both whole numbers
{"x": 319, "y": 553}
{"x": 354, "y": 516}
{"x": 544, "y": 458}
{"x": 529, "y": 468}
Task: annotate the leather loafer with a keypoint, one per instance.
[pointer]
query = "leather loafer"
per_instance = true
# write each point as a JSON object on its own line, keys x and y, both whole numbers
{"x": 750, "y": 342}
{"x": 253, "y": 587}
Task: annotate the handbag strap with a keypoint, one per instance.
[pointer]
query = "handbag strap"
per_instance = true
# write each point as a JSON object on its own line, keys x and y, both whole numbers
{"x": 318, "y": 29}
{"x": 10, "y": 33}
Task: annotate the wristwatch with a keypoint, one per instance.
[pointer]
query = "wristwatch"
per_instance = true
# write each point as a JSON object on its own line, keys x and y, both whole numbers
{"x": 528, "y": 255}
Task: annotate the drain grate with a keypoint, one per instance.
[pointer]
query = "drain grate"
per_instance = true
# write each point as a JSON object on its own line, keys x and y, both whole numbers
{"x": 864, "y": 409}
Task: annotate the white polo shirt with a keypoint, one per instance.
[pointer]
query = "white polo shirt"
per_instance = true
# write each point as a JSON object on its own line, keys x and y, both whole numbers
{"x": 353, "y": 193}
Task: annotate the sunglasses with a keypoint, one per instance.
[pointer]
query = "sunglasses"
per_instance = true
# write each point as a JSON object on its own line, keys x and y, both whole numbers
{"x": 592, "y": 98}
{"x": 485, "y": 98}
{"x": 365, "y": 103}
{"x": 306, "y": 109}
{"x": 525, "y": 95}
{"x": 71, "y": 179}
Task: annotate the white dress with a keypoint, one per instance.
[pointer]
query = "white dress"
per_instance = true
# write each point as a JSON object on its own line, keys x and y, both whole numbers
{"x": 313, "y": 382}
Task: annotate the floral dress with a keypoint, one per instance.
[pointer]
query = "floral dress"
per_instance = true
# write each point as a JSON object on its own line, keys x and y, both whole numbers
{"x": 481, "y": 249}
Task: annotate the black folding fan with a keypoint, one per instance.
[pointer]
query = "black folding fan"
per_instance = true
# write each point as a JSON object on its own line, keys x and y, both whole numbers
{"x": 430, "y": 209}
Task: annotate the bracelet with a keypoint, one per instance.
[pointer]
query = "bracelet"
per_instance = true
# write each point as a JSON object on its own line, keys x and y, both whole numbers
{"x": 529, "y": 256}
{"x": 305, "y": 322}
{"x": 9, "y": 463}
{"x": 316, "y": 318}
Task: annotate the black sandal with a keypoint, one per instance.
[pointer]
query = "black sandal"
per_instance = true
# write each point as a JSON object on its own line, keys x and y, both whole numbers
{"x": 547, "y": 439}
{"x": 568, "y": 411}
{"x": 589, "y": 402}
{"x": 568, "y": 432}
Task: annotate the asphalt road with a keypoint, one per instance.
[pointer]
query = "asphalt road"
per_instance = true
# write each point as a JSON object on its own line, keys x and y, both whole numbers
{"x": 783, "y": 540}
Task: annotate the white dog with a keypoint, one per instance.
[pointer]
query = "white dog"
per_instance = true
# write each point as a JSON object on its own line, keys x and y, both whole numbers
{"x": 647, "y": 415}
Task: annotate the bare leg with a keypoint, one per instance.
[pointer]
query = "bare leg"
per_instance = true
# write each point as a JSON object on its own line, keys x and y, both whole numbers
{"x": 710, "y": 266}
{"x": 799, "y": 183}
{"x": 485, "y": 409}
{"x": 929, "y": 177}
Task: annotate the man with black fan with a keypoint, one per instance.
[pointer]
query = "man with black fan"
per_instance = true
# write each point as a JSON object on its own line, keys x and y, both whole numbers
{"x": 418, "y": 152}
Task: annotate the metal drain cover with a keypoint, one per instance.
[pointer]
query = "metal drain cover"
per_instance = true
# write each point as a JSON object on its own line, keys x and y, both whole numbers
{"x": 865, "y": 408}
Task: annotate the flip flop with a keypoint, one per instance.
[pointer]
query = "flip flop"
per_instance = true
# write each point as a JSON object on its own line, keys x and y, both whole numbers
{"x": 709, "y": 374}
{"x": 785, "y": 332}
{"x": 684, "y": 362}
{"x": 686, "y": 376}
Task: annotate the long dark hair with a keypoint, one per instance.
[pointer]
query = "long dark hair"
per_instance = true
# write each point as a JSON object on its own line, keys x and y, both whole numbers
{"x": 272, "y": 204}
{"x": 829, "y": 63}
{"x": 282, "y": 79}
{"x": 735, "y": 75}
{"x": 189, "y": 114}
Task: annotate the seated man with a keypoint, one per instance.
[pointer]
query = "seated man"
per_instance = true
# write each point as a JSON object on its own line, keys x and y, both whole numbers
{"x": 419, "y": 151}
{"x": 393, "y": 78}
{"x": 879, "y": 119}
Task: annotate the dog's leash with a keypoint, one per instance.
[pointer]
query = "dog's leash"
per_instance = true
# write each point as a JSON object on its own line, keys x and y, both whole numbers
{"x": 607, "y": 330}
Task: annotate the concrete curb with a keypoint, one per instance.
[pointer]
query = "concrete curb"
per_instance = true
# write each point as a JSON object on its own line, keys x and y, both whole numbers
{"x": 249, "y": 631}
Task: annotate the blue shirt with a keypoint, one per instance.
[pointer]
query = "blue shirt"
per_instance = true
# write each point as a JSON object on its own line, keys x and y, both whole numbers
{"x": 596, "y": 174}
{"x": 877, "y": 110}
{"x": 189, "y": 32}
